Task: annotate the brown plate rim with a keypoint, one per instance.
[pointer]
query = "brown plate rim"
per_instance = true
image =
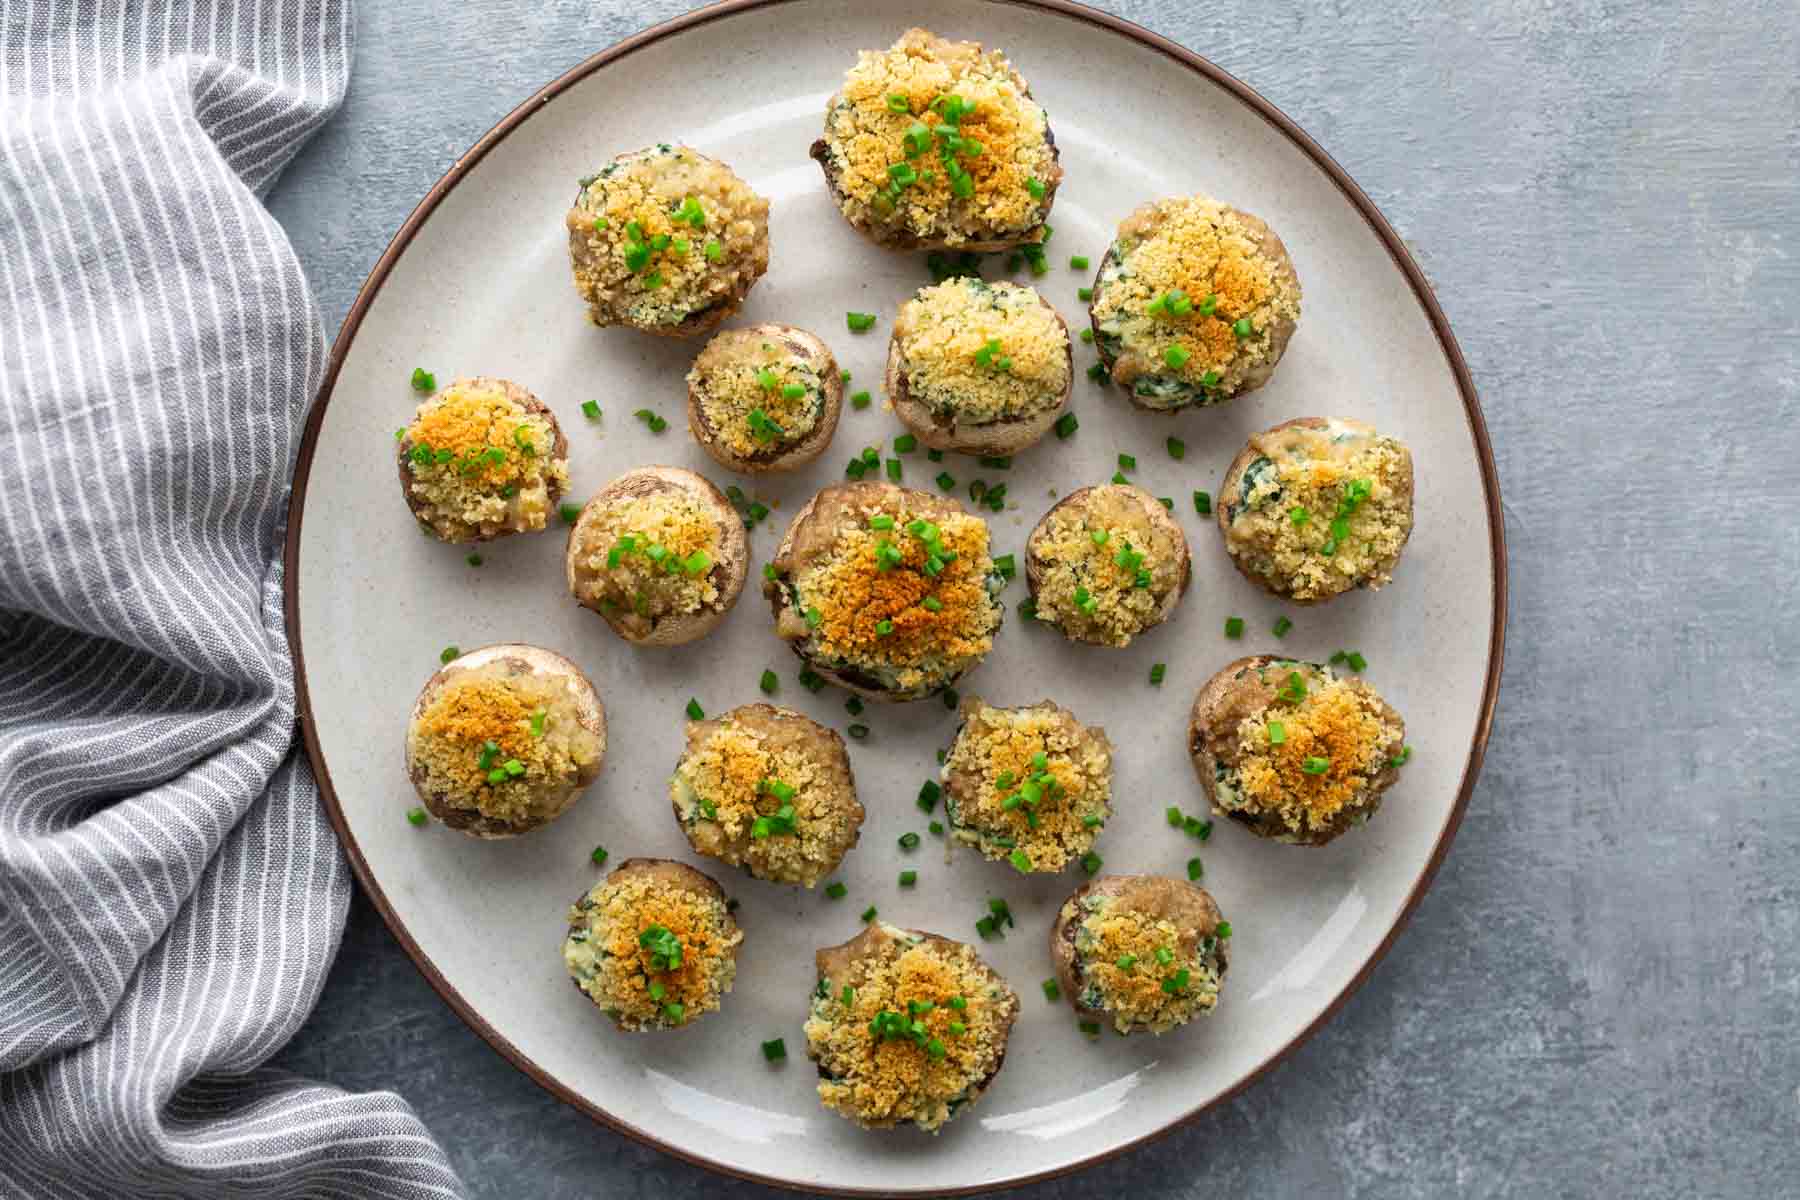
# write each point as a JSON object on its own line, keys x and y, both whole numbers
{"x": 726, "y": 8}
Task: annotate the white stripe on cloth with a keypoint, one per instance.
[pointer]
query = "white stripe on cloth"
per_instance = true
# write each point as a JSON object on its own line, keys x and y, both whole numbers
{"x": 170, "y": 893}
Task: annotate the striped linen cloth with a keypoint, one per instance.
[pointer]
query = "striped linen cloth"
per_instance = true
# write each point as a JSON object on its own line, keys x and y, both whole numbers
{"x": 170, "y": 893}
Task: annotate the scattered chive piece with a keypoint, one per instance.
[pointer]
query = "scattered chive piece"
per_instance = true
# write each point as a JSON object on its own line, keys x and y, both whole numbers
{"x": 769, "y": 682}
{"x": 423, "y": 380}
{"x": 997, "y": 462}
{"x": 1177, "y": 448}
{"x": 417, "y": 816}
{"x": 893, "y": 469}
{"x": 935, "y": 455}
{"x": 1119, "y": 477}
{"x": 1203, "y": 504}
{"x": 836, "y": 890}
{"x": 715, "y": 250}
{"x": 1052, "y": 993}
{"x": 1195, "y": 870}
{"x": 1177, "y": 356}
{"x": 811, "y": 680}
{"x": 694, "y": 711}
{"x": 909, "y": 841}
{"x": 1125, "y": 962}
{"x": 853, "y": 705}
{"x": 590, "y": 409}
{"x": 1241, "y": 327}
{"x": 1084, "y": 293}
{"x": 936, "y": 827}
{"x": 859, "y": 400}
{"x": 844, "y": 376}
{"x": 859, "y": 322}
{"x": 1091, "y": 862}
{"x": 1020, "y": 860}
{"x": 1167, "y": 502}
{"x": 1282, "y": 625}
{"x": 1234, "y": 627}
{"x": 1208, "y": 304}
{"x": 1089, "y": 1028}
{"x": 599, "y": 855}
{"x": 858, "y": 732}
{"x": 1078, "y": 262}
{"x": 774, "y": 1051}
{"x": 908, "y": 878}
{"x": 1313, "y": 765}
{"x": 1399, "y": 760}
{"x": 1097, "y": 372}
{"x": 1066, "y": 425}
{"x": 881, "y": 521}
{"x": 929, "y": 792}
{"x": 946, "y": 481}
{"x": 906, "y": 443}
{"x": 868, "y": 914}
{"x": 1087, "y": 333}
{"x": 1355, "y": 661}
{"x": 474, "y": 560}
{"x": 449, "y": 653}
{"x": 1035, "y": 186}
{"x": 883, "y": 627}
{"x": 1156, "y": 673}
{"x": 1277, "y": 733}
{"x": 570, "y": 513}
{"x": 1176, "y": 982}
{"x": 1173, "y": 815}
{"x": 656, "y": 423}
{"x": 1127, "y": 463}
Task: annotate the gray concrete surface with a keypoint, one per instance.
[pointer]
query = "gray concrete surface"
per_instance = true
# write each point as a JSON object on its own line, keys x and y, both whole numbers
{"x": 1601, "y": 996}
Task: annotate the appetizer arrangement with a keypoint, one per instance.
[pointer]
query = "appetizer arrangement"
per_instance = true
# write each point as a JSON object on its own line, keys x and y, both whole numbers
{"x": 893, "y": 593}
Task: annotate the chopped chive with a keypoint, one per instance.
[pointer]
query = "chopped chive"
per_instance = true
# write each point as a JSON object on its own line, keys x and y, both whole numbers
{"x": 908, "y": 878}
{"x": 1052, "y": 993}
{"x": 1096, "y": 372}
{"x": 1177, "y": 356}
{"x": 858, "y": 732}
{"x": 1127, "y": 463}
{"x": 1087, "y": 334}
{"x": 884, "y": 627}
{"x": 1091, "y": 862}
{"x": 868, "y": 914}
{"x": 1173, "y": 815}
{"x": 859, "y": 322}
{"x": 1400, "y": 759}
{"x": 811, "y": 680}
{"x": 1156, "y": 673}
{"x": 1020, "y": 860}
{"x": 996, "y": 462}
{"x": 599, "y": 855}
{"x": 1036, "y": 187}
{"x": 417, "y": 816}
{"x": 1119, "y": 477}
{"x": 928, "y": 795}
{"x": 774, "y": 1051}
{"x": 860, "y": 400}
{"x": 906, "y": 443}
{"x": 1089, "y": 1028}
{"x": 1282, "y": 625}
{"x": 837, "y": 891}
{"x": 694, "y": 711}
{"x": 1066, "y": 425}
{"x": 1203, "y": 504}
{"x": 1208, "y": 304}
{"x": 1314, "y": 765}
{"x": 1195, "y": 870}
{"x": 570, "y": 513}
{"x": 656, "y": 423}
{"x": 898, "y": 103}
{"x": 1234, "y": 627}
{"x": 1078, "y": 262}
{"x": 853, "y": 705}
{"x": 909, "y": 841}
{"x": 1084, "y": 293}
{"x": 449, "y": 653}
{"x": 1177, "y": 448}
{"x": 1355, "y": 661}
{"x": 1223, "y": 932}
{"x": 1277, "y": 733}
{"x": 769, "y": 682}
{"x": 474, "y": 560}
{"x": 1242, "y": 327}
{"x": 715, "y": 250}
{"x": 590, "y": 409}
{"x": 893, "y": 469}
{"x": 423, "y": 380}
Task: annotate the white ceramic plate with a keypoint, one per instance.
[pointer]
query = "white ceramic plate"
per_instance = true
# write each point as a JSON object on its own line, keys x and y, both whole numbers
{"x": 477, "y": 282}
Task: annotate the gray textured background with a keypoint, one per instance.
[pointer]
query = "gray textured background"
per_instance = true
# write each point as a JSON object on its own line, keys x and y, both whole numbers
{"x": 1600, "y": 996}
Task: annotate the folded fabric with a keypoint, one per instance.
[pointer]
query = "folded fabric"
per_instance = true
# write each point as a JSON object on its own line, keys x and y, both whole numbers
{"x": 170, "y": 893}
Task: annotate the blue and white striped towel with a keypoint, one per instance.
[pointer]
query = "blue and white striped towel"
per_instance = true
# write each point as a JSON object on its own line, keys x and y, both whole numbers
{"x": 170, "y": 893}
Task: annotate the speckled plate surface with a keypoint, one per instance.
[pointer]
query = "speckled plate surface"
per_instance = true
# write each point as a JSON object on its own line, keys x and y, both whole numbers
{"x": 477, "y": 282}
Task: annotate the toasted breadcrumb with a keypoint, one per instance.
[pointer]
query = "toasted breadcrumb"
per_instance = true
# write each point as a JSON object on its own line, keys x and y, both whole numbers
{"x": 1281, "y": 508}
{"x": 645, "y": 192}
{"x": 880, "y": 1082}
{"x": 993, "y": 759}
{"x": 479, "y": 460}
{"x": 608, "y": 961}
{"x": 865, "y": 136}
{"x": 978, "y": 352}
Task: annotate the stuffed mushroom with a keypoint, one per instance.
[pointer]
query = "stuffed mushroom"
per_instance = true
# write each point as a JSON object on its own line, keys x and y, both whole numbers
{"x": 887, "y": 591}
{"x": 660, "y": 554}
{"x": 1194, "y": 304}
{"x": 1107, "y": 563}
{"x": 1141, "y": 952}
{"x": 768, "y": 790}
{"x": 1291, "y": 750}
{"x": 482, "y": 459}
{"x": 906, "y": 1027}
{"x": 1316, "y": 507}
{"x": 933, "y": 143}
{"x": 978, "y": 367}
{"x": 654, "y": 945}
{"x": 1031, "y": 786}
{"x": 666, "y": 240}
{"x": 764, "y": 399}
{"x": 504, "y": 739}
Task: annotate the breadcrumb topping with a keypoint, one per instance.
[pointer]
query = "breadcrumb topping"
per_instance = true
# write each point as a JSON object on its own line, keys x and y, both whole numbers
{"x": 1207, "y": 251}
{"x": 881, "y": 1081}
{"x": 1340, "y": 721}
{"x": 609, "y": 961}
{"x": 980, "y": 352}
{"x": 662, "y": 234}
{"x": 637, "y": 557}
{"x": 742, "y": 372}
{"x": 877, "y": 620}
{"x": 1283, "y": 513}
{"x": 868, "y": 136}
{"x": 1119, "y": 960}
{"x": 754, "y": 763}
{"x": 1001, "y": 800}
{"x": 539, "y": 747}
{"x": 481, "y": 461}
{"x": 1105, "y": 567}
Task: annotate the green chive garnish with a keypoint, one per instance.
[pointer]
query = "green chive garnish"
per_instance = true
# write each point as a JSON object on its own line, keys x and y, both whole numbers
{"x": 423, "y": 380}
{"x": 694, "y": 711}
{"x": 1282, "y": 625}
{"x": 769, "y": 683}
{"x": 774, "y": 1051}
{"x": 1066, "y": 425}
{"x": 417, "y": 816}
{"x": 599, "y": 855}
{"x": 1234, "y": 627}
{"x": 1203, "y": 504}
{"x": 859, "y": 322}
{"x": 836, "y": 890}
